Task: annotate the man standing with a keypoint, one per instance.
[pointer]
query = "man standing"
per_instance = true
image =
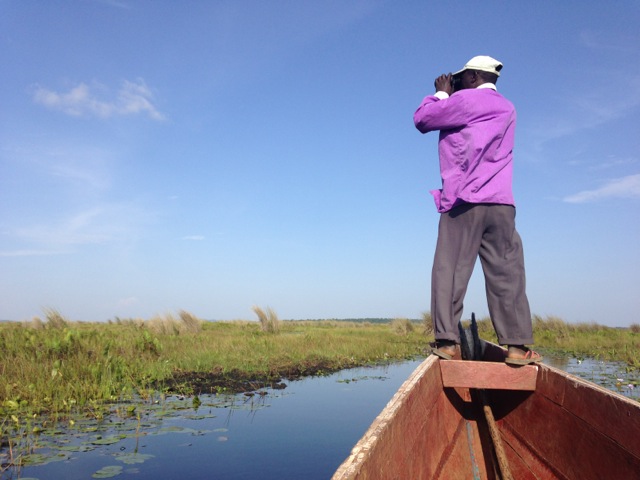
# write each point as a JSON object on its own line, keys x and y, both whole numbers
{"x": 477, "y": 209}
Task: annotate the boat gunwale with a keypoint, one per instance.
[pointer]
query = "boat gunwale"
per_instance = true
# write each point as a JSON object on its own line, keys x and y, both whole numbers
{"x": 547, "y": 387}
{"x": 351, "y": 465}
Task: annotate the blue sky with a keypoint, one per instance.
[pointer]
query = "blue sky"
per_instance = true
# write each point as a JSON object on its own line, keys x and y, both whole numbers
{"x": 215, "y": 155}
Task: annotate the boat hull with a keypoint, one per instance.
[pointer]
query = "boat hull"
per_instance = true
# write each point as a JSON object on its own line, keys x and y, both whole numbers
{"x": 566, "y": 428}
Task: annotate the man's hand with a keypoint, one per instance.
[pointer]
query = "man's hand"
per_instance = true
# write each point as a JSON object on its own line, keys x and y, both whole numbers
{"x": 443, "y": 83}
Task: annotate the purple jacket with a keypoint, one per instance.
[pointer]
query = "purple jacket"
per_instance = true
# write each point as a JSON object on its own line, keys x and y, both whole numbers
{"x": 476, "y": 146}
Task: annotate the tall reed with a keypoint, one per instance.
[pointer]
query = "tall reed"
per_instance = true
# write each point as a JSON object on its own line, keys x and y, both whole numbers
{"x": 427, "y": 323}
{"x": 269, "y": 320}
{"x": 402, "y": 326}
{"x": 168, "y": 324}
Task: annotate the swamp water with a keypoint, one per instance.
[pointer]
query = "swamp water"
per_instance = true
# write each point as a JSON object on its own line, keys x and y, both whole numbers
{"x": 302, "y": 432}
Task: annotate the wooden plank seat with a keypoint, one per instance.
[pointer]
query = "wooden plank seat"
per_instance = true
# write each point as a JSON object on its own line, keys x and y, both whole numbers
{"x": 488, "y": 375}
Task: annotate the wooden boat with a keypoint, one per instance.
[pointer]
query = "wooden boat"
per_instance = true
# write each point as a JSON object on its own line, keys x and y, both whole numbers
{"x": 456, "y": 419}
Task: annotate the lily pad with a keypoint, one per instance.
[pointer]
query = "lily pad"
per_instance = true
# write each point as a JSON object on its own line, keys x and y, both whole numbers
{"x": 108, "y": 472}
{"x": 198, "y": 417}
{"x": 176, "y": 429}
{"x": 133, "y": 458}
{"x": 107, "y": 440}
{"x": 42, "y": 459}
{"x": 77, "y": 448}
{"x": 171, "y": 429}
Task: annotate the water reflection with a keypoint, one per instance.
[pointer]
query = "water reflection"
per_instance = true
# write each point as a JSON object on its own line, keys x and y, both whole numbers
{"x": 304, "y": 431}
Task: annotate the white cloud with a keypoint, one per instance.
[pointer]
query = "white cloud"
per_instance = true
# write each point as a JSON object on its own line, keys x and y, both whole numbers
{"x": 585, "y": 110}
{"x": 613, "y": 162}
{"x": 82, "y": 228}
{"x": 83, "y": 100}
{"x": 85, "y": 168}
{"x": 610, "y": 41}
{"x": 102, "y": 224}
{"x": 193, "y": 237}
{"x": 119, "y": 225}
{"x": 128, "y": 302}
{"x": 626, "y": 187}
{"x": 30, "y": 253}
{"x": 115, "y": 3}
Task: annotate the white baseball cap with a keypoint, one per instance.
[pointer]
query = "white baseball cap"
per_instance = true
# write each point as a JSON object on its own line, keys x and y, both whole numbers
{"x": 483, "y": 63}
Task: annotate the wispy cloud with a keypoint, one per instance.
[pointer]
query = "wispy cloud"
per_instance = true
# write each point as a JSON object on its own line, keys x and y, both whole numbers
{"x": 584, "y": 110}
{"x": 132, "y": 98}
{"x": 87, "y": 168}
{"x": 614, "y": 163}
{"x": 626, "y": 187}
{"x": 120, "y": 4}
{"x": 82, "y": 228}
{"x": 608, "y": 41}
{"x": 128, "y": 302}
{"x": 31, "y": 253}
{"x": 99, "y": 225}
{"x": 587, "y": 112}
{"x": 115, "y": 3}
{"x": 106, "y": 224}
{"x": 193, "y": 237}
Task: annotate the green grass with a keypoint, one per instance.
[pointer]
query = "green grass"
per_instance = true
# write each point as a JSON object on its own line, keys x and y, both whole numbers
{"x": 580, "y": 339}
{"x": 589, "y": 340}
{"x": 56, "y": 367}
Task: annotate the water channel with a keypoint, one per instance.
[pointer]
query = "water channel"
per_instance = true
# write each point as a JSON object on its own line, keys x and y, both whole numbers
{"x": 302, "y": 432}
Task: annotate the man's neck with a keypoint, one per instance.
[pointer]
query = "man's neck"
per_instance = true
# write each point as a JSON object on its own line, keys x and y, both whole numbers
{"x": 490, "y": 85}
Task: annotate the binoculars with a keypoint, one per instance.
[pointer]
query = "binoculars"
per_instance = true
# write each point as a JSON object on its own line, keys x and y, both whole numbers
{"x": 456, "y": 83}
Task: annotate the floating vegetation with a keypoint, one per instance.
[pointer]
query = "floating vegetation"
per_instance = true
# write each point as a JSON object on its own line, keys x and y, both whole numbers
{"x": 45, "y": 442}
{"x": 108, "y": 440}
{"x": 615, "y": 376}
{"x": 35, "y": 459}
{"x": 171, "y": 429}
{"x": 199, "y": 417}
{"x": 133, "y": 458}
{"x": 190, "y": 431}
{"x": 361, "y": 378}
{"x": 108, "y": 472}
{"x": 77, "y": 448}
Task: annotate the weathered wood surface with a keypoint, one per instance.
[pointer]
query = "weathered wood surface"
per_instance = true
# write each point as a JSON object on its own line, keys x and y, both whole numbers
{"x": 567, "y": 428}
{"x": 488, "y": 375}
{"x": 417, "y": 434}
{"x": 571, "y": 429}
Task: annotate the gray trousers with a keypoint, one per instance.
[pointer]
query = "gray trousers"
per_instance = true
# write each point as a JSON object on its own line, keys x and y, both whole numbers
{"x": 487, "y": 230}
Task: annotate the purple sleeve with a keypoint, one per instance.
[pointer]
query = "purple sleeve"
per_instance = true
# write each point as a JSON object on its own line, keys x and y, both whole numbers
{"x": 435, "y": 114}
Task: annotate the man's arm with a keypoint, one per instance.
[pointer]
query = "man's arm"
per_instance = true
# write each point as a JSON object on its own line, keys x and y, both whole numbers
{"x": 436, "y": 112}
